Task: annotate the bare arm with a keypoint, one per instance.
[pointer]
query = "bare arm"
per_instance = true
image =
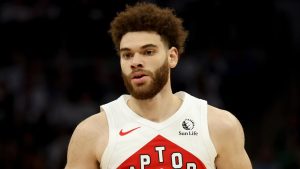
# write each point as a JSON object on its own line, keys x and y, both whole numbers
{"x": 86, "y": 144}
{"x": 228, "y": 136}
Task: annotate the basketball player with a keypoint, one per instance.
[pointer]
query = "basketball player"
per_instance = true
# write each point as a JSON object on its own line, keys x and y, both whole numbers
{"x": 153, "y": 127}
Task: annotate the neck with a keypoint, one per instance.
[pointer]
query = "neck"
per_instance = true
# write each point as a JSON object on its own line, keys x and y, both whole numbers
{"x": 158, "y": 108}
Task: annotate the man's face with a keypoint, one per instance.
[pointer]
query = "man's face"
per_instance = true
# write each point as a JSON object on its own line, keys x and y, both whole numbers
{"x": 144, "y": 63}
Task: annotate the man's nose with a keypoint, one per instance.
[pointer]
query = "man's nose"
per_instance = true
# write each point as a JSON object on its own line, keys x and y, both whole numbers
{"x": 137, "y": 61}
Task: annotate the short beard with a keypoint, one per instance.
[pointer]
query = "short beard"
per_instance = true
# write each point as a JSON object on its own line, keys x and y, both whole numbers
{"x": 148, "y": 91}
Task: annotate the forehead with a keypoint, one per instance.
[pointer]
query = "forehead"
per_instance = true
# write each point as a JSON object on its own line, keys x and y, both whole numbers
{"x": 133, "y": 40}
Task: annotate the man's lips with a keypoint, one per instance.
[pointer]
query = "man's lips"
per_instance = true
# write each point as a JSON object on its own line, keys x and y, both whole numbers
{"x": 137, "y": 75}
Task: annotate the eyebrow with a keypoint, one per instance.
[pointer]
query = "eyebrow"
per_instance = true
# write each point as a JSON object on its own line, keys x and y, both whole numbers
{"x": 142, "y": 47}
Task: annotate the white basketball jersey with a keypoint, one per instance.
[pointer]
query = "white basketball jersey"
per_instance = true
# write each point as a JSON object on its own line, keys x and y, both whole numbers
{"x": 182, "y": 141}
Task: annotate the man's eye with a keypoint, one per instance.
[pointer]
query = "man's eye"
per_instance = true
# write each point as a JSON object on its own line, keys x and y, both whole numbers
{"x": 126, "y": 55}
{"x": 149, "y": 52}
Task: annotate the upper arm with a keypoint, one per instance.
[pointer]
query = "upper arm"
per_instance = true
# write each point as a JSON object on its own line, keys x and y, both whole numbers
{"x": 228, "y": 137}
{"x": 83, "y": 147}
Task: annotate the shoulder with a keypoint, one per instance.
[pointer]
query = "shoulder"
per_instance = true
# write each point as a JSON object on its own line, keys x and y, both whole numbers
{"x": 222, "y": 118}
{"x": 93, "y": 123}
{"x": 92, "y": 134}
{"x": 91, "y": 127}
{"x": 225, "y": 129}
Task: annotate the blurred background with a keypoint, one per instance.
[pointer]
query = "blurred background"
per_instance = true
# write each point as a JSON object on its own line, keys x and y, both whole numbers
{"x": 58, "y": 64}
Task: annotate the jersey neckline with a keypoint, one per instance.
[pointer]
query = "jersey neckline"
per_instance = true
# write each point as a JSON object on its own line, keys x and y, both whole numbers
{"x": 157, "y": 125}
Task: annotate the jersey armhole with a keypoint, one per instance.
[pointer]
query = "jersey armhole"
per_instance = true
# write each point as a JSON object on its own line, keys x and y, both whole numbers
{"x": 211, "y": 149}
{"x": 111, "y": 138}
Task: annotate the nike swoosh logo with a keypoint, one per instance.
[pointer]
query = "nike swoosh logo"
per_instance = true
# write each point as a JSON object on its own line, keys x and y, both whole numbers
{"x": 123, "y": 133}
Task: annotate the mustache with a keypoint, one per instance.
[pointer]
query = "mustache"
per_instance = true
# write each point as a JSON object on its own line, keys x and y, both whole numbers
{"x": 140, "y": 72}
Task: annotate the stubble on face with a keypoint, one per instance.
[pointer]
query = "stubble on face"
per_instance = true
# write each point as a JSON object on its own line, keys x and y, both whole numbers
{"x": 148, "y": 90}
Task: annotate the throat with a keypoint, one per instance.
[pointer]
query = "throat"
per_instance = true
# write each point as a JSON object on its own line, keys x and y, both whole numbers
{"x": 155, "y": 110}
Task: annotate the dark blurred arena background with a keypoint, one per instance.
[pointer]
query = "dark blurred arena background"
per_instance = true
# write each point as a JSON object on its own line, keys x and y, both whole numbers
{"x": 58, "y": 64}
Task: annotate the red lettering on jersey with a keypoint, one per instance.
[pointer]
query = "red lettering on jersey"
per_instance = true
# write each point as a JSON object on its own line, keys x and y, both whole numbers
{"x": 164, "y": 154}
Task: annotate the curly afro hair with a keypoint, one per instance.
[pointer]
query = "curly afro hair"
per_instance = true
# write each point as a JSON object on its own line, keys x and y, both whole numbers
{"x": 149, "y": 17}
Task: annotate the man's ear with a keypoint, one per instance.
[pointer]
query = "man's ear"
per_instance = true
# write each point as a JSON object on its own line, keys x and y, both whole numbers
{"x": 173, "y": 57}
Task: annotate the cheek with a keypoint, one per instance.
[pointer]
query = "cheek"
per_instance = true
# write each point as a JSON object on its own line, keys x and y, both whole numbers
{"x": 125, "y": 69}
